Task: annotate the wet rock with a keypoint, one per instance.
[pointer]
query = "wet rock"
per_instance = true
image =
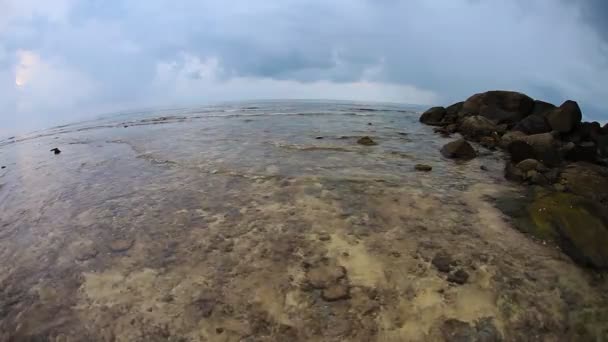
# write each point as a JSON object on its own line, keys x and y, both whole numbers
{"x": 587, "y": 180}
{"x": 335, "y": 292}
{"x": 484, "y": 168}
{"x": 56, "y": 150}
{"x": 489, "y": 142}
{"x": 459, "y": 149}
{"x": 324, "y": 276}
{"x": 433, "y": 116}
{"x": 423, "y": 167}
{"x": 475, "y": 127}
{"x": 452, "y": 113}
{"x": 533, "y": 124}
{"x": 565, "y": 118}
{"x": 84, "y": 250}
{"x": 442, "y": 262}
{"x": 520, "y": 150}
{"x": 324, "y": 236}
{"x": 454, "y": 330}
{"x": 531, "y": 164}
{"x": 121, "y": 245}
{"x": 585, "y": 151}
{"x": 578, "y": 225}
{"x": 3, "y": 167}
{"x": 510, "y": 137}
{"x": 459, "y": 277}
{"x": 367, "y": 141}
{"x": 318, "y": 138}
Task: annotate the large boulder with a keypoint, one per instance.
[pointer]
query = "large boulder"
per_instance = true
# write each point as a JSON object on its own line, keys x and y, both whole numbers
{"x": 459, "y": 149}
{"x": 542, "y": 108}
{"x": 566, "y": 117}
{"x": 452, "y": 112}
{"x": 474, "y": 127}
{"x": 510, "y": 137}
{"x": 587, "y": 180}
{"x": 520, "y": 150}
{"x": 589, "y": 130}
{"x": 533, "y": 124}
{"x": 605, "y": 129}
{"x": 602, "y": 145}
{"x": 433, "y": 116}
{"x": 585, "y": 151}
{"x": 499, "y": 106}
{"x": 545, "y": 148}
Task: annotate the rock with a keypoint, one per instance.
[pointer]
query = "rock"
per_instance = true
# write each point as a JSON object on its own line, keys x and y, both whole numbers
{"x": 459, "y": 277}
{"x": 589, "y": 130}
{"x": 531, "y": 164}
{"x": 3, "y": 167}
{"x": 324, "y": 276}
{"x": 545, "y": 148}
{"x": 318, "y": 138}
{"x": 587, "y": 180}
{"x": 489, "y": 142}
{"x": 335, "y": 292}
{"x": 367, "y": 141}
{"x": 452, "y": 112}
{"x": 324, "y": 236}
{"x": 474, "y": 127}
{"x": 605, "y": 129}
{"x": 433, "y": 116}
{"x": 56, "y": 150}
{"x": 585, "y": 151}
{"x": 487, "y": 331}
{"x": 520, "y": 150}
{"x": 483, "y": 168}
{"x": 513, "y": 173}
{"x": 442, "y": 262}
{"x": 505, "y": 101}
{"x": 459, "y": 149}
{"x": 602, "y": 145}
{"x": 500, "y": 116}
{"x": 542, "y": 108}
{"x": 533, "y": 124}
{"x": 84, "y": 250}
{"x": 454, "y": 330}
{"x": 510, "y": 137}
{"x": 565, "y": 118}
{"x": 451, "y": 128}
{"x": 121, "y": 245}
{"x": 578, "y": 225}
{"x": 423, "y": 167}
{"x": 205, "y": 306}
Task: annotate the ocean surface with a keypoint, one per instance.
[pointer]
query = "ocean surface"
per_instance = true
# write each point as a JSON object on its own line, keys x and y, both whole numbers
{"x": 268, "y": 222}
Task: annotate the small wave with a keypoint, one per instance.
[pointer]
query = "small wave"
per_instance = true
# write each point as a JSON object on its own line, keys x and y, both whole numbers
{"x": 313, "y": 148}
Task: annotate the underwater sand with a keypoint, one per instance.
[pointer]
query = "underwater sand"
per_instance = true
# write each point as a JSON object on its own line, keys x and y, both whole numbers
{"x": 236, "y": 223}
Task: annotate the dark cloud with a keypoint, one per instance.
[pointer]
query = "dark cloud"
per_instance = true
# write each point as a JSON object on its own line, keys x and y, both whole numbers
{"x": 135, "y": 53}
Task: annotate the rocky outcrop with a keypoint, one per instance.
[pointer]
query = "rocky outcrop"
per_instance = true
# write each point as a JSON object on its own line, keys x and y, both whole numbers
{"x": 459, "y": 149}
{"x": 499, "y": 106}
{"x": 565, "y": 118}
{"x": 551, "y": 148}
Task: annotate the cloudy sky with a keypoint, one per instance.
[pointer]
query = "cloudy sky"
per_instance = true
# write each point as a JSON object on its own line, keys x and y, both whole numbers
{"x": 65, "y": 60}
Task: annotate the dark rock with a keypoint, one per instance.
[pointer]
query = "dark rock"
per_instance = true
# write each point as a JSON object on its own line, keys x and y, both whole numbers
{"x": 324, "y": 236}
{"x": 585, "y": 151}
{"x": 530, "y": 165}
{"x": 602, "y": 145}
{"x": 318, "y": 138}
{"x": 542, "y": 108}
{"x": 487, "y": 331}
{"x": 459, "y": 149}
{"x": 335, "y": 292}
{"x": 520, "y": 150}
{"x": 605, "y": 129}
{"x": 483, "y": 168}
{"x": 589, "y": 130}
{"x": 423, "y": 167}
{"x": 433, "y": 116}
{"x": 565, "y": 118}
{"x": 510, "y": 137}
{"x": 3, "y": 167}
{"x": 452, "y": 112}
{"x": 454, "y": 330}
{"x": 533, "y": 124}
{"x": 459, "y": 277}
{"x": 451, "y": 128}
{"x": 369, "y": 124}
{"x": 56, "y": 150}
{"x": 513, "y": 173}
{"x": 499, "y": 106}
{"x": 489, "y": 142}
{"x": 474, "y": 127}
{"x": 442, "y": 262}
{"x": 205, "y": 306}
{"x": 219, "y": 330}
{"x": 367, "y": 141}
{"x": 587, "y": 180}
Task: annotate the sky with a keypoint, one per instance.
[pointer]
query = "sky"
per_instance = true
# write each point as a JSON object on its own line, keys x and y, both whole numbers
{"x": 68, "y": 60}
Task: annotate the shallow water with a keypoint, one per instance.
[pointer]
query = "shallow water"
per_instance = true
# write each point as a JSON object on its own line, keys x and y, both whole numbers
{"x": 208, "y": 224}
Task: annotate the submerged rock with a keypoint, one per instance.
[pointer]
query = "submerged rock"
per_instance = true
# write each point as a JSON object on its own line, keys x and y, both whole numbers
{"x": 423, "y": 167}
{"x": 121, "y": 245}
{"x": 367, "y": 141}
{"x": 443, "y": 262}
{"x": 459, "y": 149}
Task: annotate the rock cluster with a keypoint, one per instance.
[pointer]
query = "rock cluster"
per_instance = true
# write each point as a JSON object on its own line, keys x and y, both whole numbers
{"x": 547, "y": 146}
